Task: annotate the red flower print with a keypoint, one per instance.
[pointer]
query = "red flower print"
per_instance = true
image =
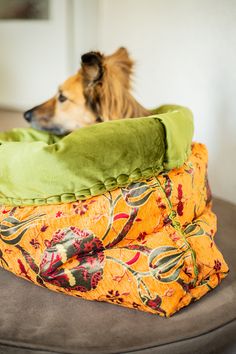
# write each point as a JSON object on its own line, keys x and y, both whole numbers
{"x": 59, "y": 214}
{"x": 155, "y": 303}
{"x": 141, "y": 236}
{"x": 98, "y": 244}
{"x": 83, "y": 209}
{"x": 43, "y": 228}
{"x": 58, "y": 236}
{"x": 162, "y": 206}
{"x": 138, "y": 219}
{"x": 121, "y": 216}
{"x": 217, "y": 265}
{"x": 96, "y": 277}
{"x": 134, "y": 259}
{"x": 180, "y": 208}
{"x": 168, "y": 191}
{"x": 180, "y": 192}
{"x": 35, "y": 243}
{"x": 114, "y": 296}
{"x": 168, "y": 186}
{"x": 23, "y": 270}
{"x": 49, "y": 262}
{"x": 180, "y": 205}
{"x": 4, "y": 211}
{"x": 80, "y": 208}
{"x": 88, "y": 246}
{"x": 80, "y": 233}
{"x": 81, "y": 288}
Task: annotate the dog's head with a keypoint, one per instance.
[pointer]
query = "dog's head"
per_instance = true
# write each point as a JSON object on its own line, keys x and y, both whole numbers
{"x": 93, "y": 95}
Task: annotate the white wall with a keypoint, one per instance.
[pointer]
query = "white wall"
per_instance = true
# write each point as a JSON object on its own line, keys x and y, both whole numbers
{"x": 85, "y": 18}
{"x": 33, "y": 57}
{"x": 36, "y": 56}
{"x": 185, "y": 52}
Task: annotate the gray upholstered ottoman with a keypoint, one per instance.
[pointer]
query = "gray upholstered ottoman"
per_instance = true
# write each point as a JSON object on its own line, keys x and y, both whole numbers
{"x": 35, "y": 320}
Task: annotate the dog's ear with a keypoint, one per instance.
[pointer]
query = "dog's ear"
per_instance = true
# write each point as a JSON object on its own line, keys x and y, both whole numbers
{"x": 121, "y": 62}
{"x": 121, "y": 57}
{"x": 92, "y": 67}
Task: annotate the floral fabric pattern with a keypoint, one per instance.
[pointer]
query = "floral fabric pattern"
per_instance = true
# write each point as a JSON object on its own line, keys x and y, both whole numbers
{"x": 148, "y": 246}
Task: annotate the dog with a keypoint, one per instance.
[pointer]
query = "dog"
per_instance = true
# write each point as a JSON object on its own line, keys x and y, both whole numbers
{"x": 99, "y": 92}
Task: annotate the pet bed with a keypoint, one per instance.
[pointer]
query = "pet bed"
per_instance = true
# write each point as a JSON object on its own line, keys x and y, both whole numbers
{"x": 117, "y": 212}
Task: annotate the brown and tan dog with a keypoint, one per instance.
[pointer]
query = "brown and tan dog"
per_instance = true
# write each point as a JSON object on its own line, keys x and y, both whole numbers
{"x": 100, "y": 91}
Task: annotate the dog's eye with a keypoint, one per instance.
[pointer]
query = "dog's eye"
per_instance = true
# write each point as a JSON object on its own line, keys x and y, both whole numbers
{"x": 62, "y": 98}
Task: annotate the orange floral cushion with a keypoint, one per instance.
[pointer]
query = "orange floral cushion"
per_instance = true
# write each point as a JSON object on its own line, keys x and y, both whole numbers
{"x": 148, "y": 246}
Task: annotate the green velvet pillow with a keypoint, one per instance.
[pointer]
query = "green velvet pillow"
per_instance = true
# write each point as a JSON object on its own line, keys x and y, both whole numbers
{"x": 39, "y": 168}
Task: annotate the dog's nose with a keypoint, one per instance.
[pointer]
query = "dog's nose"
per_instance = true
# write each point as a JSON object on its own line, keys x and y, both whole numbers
{"x": 28, "y": 115}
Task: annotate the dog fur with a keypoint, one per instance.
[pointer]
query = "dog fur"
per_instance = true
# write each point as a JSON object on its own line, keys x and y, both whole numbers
{"x": 100, "y": 91}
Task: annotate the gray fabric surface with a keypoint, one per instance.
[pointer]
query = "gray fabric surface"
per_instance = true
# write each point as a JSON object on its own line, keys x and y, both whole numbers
{"x": 36, "y": 320}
